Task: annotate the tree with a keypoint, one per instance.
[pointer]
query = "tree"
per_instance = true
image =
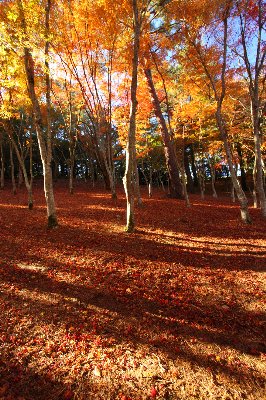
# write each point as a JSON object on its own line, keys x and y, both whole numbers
{"x": 43, "y": 135}
{"x": 212, "y": 60}
{"x": 252, "y": 28}
{"x": 129, "y": 177}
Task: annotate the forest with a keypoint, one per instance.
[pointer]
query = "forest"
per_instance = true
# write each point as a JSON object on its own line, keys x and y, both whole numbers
{"x": 132, "y": 199}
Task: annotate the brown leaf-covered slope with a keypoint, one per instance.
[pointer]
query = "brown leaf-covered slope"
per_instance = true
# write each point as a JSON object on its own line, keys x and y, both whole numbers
{"x": 173, "y": 311}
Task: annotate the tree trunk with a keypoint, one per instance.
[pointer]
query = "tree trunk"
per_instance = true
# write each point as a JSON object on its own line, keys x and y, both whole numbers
{"x": 28, "y": 183}
{"x": 20, "y": 176}
{"x": 110, "y": 161}
{"x": 44, "y": 138}
{"x": 254, "y": 193}
{"x": 2, "y": 174}
{"x": 184, "y": 184}
{"x": 150, "y": 182}
{"x": 233, "y": 197}
{"x": 14, "y": 187}
{"x": 243, "y": 177}
{"x": 129, "y": 177}
{"x": 137, "y": 186}
{"x": 237, "y": 187}
{"x": 109, "y": 174}
{"x": 201, "y": 175}
{"x": 193, "y": 167}
{"x": 255, "y": 78}
{"x": 214, "y": 193}
{"x": 190, "y": 184}
{"x": 259, "y": 187}
{"x": 175, "y": 187}
{"x": 212, "y": 169}
{"x": 71, "y": 166}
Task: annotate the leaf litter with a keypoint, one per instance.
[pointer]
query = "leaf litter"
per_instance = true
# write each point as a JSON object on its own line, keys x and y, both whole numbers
{"x": 174, "y": 311}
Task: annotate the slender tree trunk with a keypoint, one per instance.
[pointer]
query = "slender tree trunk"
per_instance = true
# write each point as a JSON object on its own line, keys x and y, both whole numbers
{"x": 20, "y": 176}
{"x": 14, "y": 187}
{"x": 190, "y": 184}
{"x": 254, "y": 73}
{"x": 254, "y": 192}
{"x": 28, "y": 183}
{"x": 212, "y": 169}
{"x": 2, "y": 173}
{"x": 44, "y": 138}
{"x": 233, "y": 197}
{"x": 183, "y": 174}
{"x": 137, "y": 186}
{"x": 72, "y": 166}
{"x": 214, "y": 193}
{"x": 129, "y": 177}
{"x": 242, "y": 169}
{"x": 193, "y": 167}
{"x": 169, "y": 150}
{"x": 201, "y": 176}
{"x": 109, "y": 175}
{"x": 219, "y": 96}
{"x": 259, "y": 187}
{"x": 184, "y": 184}
{"x": 110, "y": 161}
{"x": 237, "y": 187}
{"x": 150, "y": 182}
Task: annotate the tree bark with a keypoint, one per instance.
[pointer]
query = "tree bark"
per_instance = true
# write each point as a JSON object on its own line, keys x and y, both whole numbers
{"x": 129, "y": 176}
{"x": 28, "y": 183}
{"x": 237, "y": 187}
{"x": 72, "y": 165}
{"x": 219, "y": 97}
{"x": 190, "y": 183}
{"x": 137, "y": 186}
{"x": 2, "y": 173}
{"x": 243, "y": 177}
{"x": 259, "y": 187}
{"x": 254, "y": 72}
{"x": 14, "y": 187}
{"x": 214, "y": 193}
{"x": 44, "y": 138}
{"x": 169, "y": 150}
{"x": 193, "y": 167}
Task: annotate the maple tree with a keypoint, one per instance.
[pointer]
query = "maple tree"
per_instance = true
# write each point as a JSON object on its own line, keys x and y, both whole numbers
{"x": 79, "y": 76}
{"x": 43, "y": 133}
{"x": 200, "y": 53}
{"x": 153, "y": 92}
{"x": 252, "y": 26}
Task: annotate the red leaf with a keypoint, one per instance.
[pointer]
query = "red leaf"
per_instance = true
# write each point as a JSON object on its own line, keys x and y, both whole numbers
{"x": 153, "y": 392}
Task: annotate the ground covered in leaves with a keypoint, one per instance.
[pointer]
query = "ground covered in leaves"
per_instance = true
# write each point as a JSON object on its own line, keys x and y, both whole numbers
{"x": 173, "y": 311}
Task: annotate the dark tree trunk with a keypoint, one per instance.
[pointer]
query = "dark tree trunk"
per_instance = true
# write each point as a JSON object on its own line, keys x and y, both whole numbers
{"x": 243, "y": 178}
{"x": 175, "y": 187}
{"x": 190, "y": 183}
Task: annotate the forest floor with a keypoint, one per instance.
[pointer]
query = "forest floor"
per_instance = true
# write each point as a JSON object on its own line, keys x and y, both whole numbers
{"x": 173, "y": 311}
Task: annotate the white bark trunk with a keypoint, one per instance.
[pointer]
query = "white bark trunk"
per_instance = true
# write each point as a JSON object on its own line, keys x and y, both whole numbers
{"x": 129, "y": 177}
{"x": 44, "y": 138}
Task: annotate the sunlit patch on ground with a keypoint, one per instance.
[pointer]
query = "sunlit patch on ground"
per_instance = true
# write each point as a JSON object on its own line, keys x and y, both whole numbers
{"x": 32, "y": 267}
{"x": 174, "y": 311}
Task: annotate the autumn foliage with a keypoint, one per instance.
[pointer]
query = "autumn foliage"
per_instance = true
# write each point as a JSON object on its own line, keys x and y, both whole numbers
{"x": 154, "y": 291}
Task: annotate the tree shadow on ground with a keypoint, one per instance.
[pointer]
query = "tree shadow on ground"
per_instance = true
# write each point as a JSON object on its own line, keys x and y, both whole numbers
{"x": 141, "y": 246}
{"x": 185, "y": 321}
{"x": 17, "y": 382}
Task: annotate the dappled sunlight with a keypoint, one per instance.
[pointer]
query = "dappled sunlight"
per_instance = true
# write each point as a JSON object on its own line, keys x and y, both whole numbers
{"x": 169, "y": 304}
{"x": 100, "y": 207}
